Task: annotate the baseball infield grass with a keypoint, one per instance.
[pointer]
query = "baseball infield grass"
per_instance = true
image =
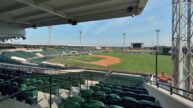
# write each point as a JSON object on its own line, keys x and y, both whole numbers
{"x": 129, "y": 62}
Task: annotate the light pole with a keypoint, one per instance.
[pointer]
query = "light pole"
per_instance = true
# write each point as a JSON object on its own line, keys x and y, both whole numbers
{"x": 49, "y": 30}
{"x": 80, "y": 37}
{"x": 157, "y": 31}
{"x": 124, "y": 34}
{"x": 156, "y": 57}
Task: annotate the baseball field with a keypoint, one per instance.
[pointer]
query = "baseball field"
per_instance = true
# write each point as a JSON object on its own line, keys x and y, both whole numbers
{"x": 144, "y": 63}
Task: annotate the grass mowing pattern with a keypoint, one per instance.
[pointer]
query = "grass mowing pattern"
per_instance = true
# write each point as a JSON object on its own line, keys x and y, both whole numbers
{"x": 142, "y": 63}
{"x": 86, "y": 58}
{"x": 77, "y": 61}
{"x": 130, "y": 62}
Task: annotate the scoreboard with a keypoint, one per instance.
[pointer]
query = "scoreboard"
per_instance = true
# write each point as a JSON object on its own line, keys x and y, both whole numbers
{"x": 137, "y": 45}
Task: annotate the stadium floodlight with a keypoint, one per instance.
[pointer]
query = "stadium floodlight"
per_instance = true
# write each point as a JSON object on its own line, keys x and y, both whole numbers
{"x": 156, "y": 57}
{"x": 124, "y": 34}
{"x": 157, "y": 31}
{"x": 49, "y": 31}
{"x": 80, "y": 37}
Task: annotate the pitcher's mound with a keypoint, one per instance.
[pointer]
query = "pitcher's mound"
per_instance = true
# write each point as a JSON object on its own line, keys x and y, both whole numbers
{"x": 107, "y": 61}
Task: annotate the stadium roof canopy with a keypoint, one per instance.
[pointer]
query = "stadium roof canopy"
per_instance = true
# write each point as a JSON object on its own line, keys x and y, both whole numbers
{"x": 16, "y": 15}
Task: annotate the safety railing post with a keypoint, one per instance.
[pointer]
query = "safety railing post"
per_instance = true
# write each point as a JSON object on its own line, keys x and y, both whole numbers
{"x": 171, "y": 90}
{"x": 50, "y": 91}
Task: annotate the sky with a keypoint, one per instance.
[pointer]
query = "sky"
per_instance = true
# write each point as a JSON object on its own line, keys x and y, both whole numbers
{"x": 156, "y": 15}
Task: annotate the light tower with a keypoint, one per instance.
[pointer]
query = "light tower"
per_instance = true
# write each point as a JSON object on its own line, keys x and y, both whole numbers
{"x": 124, "y": 34}
{"x": 157, "y": 31}
{"x": 181, "y": 43}
{"x": 49, "y": 37}
{"x": 80, "y": 38}
{"x": 156, "y": 56}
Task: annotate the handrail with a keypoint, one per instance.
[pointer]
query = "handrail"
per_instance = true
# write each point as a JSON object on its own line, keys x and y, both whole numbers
{"x": 171, "y": 89}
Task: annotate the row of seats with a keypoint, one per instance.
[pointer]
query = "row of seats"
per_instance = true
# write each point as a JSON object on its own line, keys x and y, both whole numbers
{"x": 119, "y": 96}
{"x": 35, "y": 84}
{"x": 23, "y": 88}
{"x": 103, "y": 95}
{"x": 24, "y": 92}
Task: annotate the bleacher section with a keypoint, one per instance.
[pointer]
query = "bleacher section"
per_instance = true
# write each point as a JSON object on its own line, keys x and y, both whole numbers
{"x": 4, "y": 59}
{"x": 30, "y": 56}
{"x": 105, "y": 95}
{"x": 20, "y": 54}
{"x": 113, "y": 91}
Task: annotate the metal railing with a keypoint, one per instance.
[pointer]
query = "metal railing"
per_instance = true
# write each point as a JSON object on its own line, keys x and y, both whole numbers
{"x": 173, "y": 90}
{"x": 70, "y": 76}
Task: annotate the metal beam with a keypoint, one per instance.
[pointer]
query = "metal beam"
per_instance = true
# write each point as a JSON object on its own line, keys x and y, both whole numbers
{"x": 104, "y": 15}
{"x": 43, "y": 7}
{"x": 102, "y": 10}
{"x": 80, "y": 7}
{"x": 73, "y": 6}
{"x": 181, "y": 43}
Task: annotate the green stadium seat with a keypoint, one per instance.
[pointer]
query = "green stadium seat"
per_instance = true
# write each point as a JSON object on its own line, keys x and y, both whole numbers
{"x": 129, "y": 102}
{"x": 147, "y": 98}
{"x": 69, "y": 104}
{"x": 131, "y": 94}
{"x": 25, "y": 81}
{"x": 55, "y": 89}
{"x": 95, "y": 88}
{"x": 82, "y": 81}
{"x": 106, "y": 90}
{"x": 75, "y": 83}
{"x": 99, "y": 95}
{"x": 1, "y": 86}
{"x": 32, "y": 81}
{"x": 13, "y": 88}
{"x": 108, "y": 85}
{"x": 117, "y": 87}
{"x": 100, "y": 85}
{"x": 115, "y": 106}
{"x": 86, "y": 94}
{"x": 65, "y": 85}
{"x": 21, "y": 96}
{"x": 39, "y": 84}
{"x": 118, "y": 92}
{"x": 148, "y": 104}
{"x": 6, "y": 88}
{"x": 31, "y": 95}
{"x": 113, "y": 99}
{"x": 78, "y": 99}
{"x": 94, "y": 104}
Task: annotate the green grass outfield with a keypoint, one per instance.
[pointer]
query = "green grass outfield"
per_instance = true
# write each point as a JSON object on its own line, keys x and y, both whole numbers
{"x": 77, "y": 61}
{"x": 129, "y": 62}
